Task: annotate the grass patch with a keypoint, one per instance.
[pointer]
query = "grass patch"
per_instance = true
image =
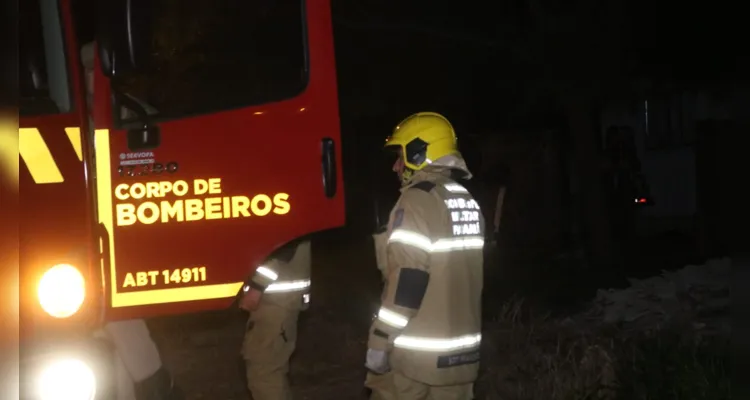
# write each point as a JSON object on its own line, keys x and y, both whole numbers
{"x": 542, "y": 358}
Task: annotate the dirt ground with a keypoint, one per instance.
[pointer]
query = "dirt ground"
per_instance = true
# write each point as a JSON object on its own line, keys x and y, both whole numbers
{"x": 202, "y": 350}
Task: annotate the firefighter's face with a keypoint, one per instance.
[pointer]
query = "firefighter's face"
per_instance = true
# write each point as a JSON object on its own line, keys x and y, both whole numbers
{"x": 398, "y": 167}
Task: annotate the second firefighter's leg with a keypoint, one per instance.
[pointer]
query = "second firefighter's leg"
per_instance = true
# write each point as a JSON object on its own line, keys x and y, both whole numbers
{"x": 269, "y": 343}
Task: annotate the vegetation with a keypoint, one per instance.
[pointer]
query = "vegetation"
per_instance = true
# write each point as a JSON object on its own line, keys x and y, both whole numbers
{"x": 529, "y": 357}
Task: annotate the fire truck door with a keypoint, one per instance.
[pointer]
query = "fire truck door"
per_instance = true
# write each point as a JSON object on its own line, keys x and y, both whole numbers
{"x": 240, "y": 153}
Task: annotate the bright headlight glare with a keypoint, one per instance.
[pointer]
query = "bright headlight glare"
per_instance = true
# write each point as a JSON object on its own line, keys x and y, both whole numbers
{"x": 67, "y": 380}
{"x": 61, "y": 291}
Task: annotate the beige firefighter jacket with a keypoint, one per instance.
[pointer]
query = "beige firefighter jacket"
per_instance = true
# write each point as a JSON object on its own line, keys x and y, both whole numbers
{"x": 431, "y": 256}
{"x": 284, "y": 278}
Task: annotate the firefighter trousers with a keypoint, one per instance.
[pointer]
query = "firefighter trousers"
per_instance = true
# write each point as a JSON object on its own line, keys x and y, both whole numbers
{"x": 396, "y": 386}
{"x": 270, "y": 340}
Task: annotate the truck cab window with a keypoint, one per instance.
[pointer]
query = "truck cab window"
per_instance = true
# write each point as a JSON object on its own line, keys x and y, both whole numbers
{"x": 43, "y": 74}
{"x": 221, "y": 55}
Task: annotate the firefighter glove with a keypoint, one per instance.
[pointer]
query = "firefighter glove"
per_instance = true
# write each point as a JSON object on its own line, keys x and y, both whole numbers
{"x": 377, "y": 361}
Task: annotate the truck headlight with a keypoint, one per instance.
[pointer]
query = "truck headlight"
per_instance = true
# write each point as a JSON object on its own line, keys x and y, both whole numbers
{"x": 67, "y": 379}
{"x": 61, "y": 291}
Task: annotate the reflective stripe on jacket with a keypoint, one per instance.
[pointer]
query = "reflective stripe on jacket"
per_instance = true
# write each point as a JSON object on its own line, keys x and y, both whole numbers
{"x": 430, "y": 314}
{"x": 285, "y": 280}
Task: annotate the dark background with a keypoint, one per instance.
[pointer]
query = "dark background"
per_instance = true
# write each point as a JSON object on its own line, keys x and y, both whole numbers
{"x": 533, "y": 75}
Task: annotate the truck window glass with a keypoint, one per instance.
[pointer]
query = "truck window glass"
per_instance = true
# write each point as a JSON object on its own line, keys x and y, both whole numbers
{"x": 219, "y": 55}
{"x": 43, "y": 75}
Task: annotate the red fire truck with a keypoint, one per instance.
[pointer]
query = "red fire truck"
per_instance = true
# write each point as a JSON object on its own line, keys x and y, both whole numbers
{"x": 198, "y": 151}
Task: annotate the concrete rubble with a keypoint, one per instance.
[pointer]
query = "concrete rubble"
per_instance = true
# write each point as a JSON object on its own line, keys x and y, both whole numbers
{"x": 695, "y": 297}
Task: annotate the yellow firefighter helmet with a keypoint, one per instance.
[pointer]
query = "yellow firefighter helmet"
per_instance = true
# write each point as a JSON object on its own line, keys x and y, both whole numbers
{"x": 422, "y": 138}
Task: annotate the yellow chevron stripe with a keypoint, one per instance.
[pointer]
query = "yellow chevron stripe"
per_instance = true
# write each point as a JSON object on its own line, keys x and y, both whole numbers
{"x": 9, "y": 151}
{"x": 74, "y": 135}
{"x": 37, "y": 157}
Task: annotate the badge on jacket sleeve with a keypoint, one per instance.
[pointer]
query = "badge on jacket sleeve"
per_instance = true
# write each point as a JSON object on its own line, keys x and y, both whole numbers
{"x": 398, "y": 218}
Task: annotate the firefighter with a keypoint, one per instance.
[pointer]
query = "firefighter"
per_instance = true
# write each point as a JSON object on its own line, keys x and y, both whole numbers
{"x": 424, "y": 339}
{"x": 274, "y": 297}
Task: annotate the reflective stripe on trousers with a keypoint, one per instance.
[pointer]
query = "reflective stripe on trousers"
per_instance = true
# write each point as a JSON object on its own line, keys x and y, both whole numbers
{"x": 288, "y": 286}
{"x": 438, "y": 344}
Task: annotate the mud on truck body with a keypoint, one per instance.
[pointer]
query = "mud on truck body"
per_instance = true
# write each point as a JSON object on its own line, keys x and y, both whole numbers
{"x": 153, "y": 198}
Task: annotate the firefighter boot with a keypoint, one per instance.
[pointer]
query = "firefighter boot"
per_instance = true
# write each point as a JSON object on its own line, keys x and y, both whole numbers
{"x": 158, "y": 386}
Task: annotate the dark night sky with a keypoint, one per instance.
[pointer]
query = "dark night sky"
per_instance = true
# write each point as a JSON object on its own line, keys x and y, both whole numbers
{"x": 503, "y": 54}
{"x": 472, "y": 60}
{"x": 666, "y": 37}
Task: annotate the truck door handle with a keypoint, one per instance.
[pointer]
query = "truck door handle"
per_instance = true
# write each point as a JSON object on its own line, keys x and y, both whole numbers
{"x": 329, "y": 166}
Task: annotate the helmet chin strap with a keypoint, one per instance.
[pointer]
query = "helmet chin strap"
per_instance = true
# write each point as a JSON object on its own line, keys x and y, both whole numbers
{"x": 406, "y": 175}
